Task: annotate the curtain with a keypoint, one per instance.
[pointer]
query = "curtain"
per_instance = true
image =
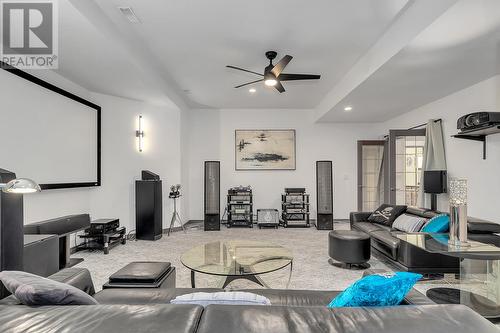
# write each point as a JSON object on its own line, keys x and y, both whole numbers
{"x": 434, "y": 156}
{"x": 379, "y": 195}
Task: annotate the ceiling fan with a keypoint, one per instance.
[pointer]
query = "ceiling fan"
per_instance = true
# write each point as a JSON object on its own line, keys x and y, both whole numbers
{"x": 273, "y": 75}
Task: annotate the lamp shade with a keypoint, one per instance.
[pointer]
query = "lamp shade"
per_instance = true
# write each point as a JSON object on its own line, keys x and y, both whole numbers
{"x": 22, "y": 186}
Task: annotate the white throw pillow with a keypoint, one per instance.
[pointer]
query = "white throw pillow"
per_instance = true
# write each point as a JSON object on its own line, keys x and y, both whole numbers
{"x": 409, "y": 223}
{"x": 229, "y": 297}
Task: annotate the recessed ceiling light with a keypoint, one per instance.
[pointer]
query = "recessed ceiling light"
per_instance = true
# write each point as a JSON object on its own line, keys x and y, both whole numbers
{"x": 252, "y": 90}
{"x": 348, "y": 108}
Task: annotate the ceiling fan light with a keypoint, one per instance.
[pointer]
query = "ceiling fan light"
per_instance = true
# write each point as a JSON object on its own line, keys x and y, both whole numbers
{"x": 270, "y": 82}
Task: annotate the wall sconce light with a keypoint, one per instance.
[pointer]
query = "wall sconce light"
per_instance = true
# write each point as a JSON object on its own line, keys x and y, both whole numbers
{"x": 140, "y": 134}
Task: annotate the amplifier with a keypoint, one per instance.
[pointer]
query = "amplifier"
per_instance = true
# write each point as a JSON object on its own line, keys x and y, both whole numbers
{"x": 239, "y": 198}
{"x": 240, "y": 190}
{"x": 102, "y": 226}
{"x": 298, "y": 190}
{"x": 295, "y": 210}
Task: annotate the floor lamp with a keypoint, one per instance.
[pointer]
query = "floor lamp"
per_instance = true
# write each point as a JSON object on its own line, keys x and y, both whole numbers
{"x": 11, "y": 220}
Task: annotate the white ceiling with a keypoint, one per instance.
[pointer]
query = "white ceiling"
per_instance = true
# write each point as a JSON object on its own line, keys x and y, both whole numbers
{"x": 98, "y": 63}
{"x": 384, "y": 57}
{"x": 456, "y": 51}
{"x": 190, "y": 42}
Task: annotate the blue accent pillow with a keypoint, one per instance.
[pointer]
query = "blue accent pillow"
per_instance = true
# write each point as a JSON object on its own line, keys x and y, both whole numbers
{"x": 377, "y": 290}
{"x": 439, "y": 224}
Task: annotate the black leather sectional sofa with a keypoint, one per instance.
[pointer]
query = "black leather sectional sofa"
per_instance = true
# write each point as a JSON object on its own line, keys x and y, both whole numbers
{"x": 410, "y": 258}
{"x": 148, "y": 310}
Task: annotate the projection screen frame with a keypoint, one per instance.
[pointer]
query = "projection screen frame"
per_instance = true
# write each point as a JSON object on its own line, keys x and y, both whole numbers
{"x": 67, "y": 94}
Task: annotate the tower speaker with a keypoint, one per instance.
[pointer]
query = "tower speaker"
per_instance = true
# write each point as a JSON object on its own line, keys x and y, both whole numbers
{"x": 11, "y": 230}
{"x": 324, "y": 195}
{"x": 212, "y": 196}
{"x": 148, "y": 207}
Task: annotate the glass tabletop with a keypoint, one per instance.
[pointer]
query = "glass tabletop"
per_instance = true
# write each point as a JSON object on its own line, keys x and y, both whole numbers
{"x": 438, "y": 243}
{"x": 236, "y": 258}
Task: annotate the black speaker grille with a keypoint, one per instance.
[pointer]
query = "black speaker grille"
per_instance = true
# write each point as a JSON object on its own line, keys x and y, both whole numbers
{"x": 324, "y": 187}
{"x": 212, "y": 187}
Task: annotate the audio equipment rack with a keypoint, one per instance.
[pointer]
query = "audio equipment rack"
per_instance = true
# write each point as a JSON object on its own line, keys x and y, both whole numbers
{"x": 240, "y": 207}
{"x": 295, "y": 208}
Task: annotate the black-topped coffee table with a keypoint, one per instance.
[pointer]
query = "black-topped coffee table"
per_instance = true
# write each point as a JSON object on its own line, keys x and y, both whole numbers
{"x": 237, "y": 259}
{"x": 479, "y": 286}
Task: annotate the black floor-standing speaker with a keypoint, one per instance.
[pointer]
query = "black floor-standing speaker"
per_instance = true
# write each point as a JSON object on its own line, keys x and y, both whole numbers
{"x": 212, "y": 196}
{"x": 324, "y": 195}
{"x": 11, "y": 230}
{"x": 148, "y": 207}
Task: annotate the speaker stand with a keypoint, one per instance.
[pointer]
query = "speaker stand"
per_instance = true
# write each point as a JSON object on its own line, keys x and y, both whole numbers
{"x": 175, "y": 217}
{"x": 434, "y": 201}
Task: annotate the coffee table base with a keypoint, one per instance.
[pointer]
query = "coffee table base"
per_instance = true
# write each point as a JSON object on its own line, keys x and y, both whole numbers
{"x": 229, "y": 279}
{"x": 482, "y": 305}
{"x": 254, "y": 278}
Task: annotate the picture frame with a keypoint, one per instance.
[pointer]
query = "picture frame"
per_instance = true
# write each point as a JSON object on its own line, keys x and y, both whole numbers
{"x": 265, "y": 149}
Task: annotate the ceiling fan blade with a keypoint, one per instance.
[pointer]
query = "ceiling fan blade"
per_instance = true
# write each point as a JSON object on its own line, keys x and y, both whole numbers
{"x": 244, "y": 70}
{"x": 279, "y": 87}
{"x": 246, "y": 84}
{"x": 293, "y": 77}
{"x": 280, "y": 66}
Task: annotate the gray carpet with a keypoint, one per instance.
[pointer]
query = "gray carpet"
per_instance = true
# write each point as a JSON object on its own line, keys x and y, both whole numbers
{"x": 309, "y": 246}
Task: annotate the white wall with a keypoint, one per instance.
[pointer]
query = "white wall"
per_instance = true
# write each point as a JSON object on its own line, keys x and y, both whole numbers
{"x": 464, "y": 158}
{"x": 121, "y": 162}
{"x": 212, "y": 138}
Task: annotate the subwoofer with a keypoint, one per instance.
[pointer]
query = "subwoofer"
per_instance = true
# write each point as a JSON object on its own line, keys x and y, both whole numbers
{"x": 324, "y": 195}
{"x": 148, "y": 207}
{"x": 11, "y": 230}
{"x": 212, "y": 196}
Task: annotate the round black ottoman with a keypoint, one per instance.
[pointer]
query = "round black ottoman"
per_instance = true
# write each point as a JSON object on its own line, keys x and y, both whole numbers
{"x": 350, "y": 248}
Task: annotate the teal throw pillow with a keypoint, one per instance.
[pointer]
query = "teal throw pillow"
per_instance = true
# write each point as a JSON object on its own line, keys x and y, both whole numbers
{"x": 377, "y": 290}
{"x": 438, "y": 224}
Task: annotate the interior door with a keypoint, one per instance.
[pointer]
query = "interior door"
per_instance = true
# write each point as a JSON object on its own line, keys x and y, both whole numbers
{"x": 371, "y": 174}
{"x": 406, "y": 150}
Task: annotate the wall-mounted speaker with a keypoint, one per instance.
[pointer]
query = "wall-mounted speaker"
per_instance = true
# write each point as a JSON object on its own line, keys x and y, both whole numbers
{"x": 324, "y": 195}
{"x": 212, "y": 196}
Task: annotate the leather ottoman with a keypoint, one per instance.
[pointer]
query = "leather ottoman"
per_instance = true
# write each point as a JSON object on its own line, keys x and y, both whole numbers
{"x": 351, "y": 248}
{"x": 147, "y": 274}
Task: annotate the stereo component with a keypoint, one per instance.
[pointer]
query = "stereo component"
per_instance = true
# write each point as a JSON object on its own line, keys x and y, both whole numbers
{"x": 324, "y": 195}
{"x": 295, "y": 207}
{"x": 212, "y": 196}
{"x": 268, "y": 218}
{"x": 240, "y": 207}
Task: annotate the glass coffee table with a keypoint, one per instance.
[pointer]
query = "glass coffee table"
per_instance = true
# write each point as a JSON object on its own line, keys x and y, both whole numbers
{"x": 479, "y": 282}
{"x": 237, "y": 259}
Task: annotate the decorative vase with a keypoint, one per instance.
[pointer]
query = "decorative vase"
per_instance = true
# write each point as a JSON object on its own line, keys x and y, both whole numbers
{"x": 458, "y": 212}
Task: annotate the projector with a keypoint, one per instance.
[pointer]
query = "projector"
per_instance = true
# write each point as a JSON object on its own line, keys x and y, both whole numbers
{"x": 478, "y": 120}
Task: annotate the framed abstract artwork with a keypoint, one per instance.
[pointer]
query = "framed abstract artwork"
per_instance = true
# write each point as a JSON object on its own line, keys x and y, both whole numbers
{"x": 265, "y": 149}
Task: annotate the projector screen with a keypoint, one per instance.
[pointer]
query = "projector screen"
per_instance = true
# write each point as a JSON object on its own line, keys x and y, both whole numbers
{"x": 48, "y": 134}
